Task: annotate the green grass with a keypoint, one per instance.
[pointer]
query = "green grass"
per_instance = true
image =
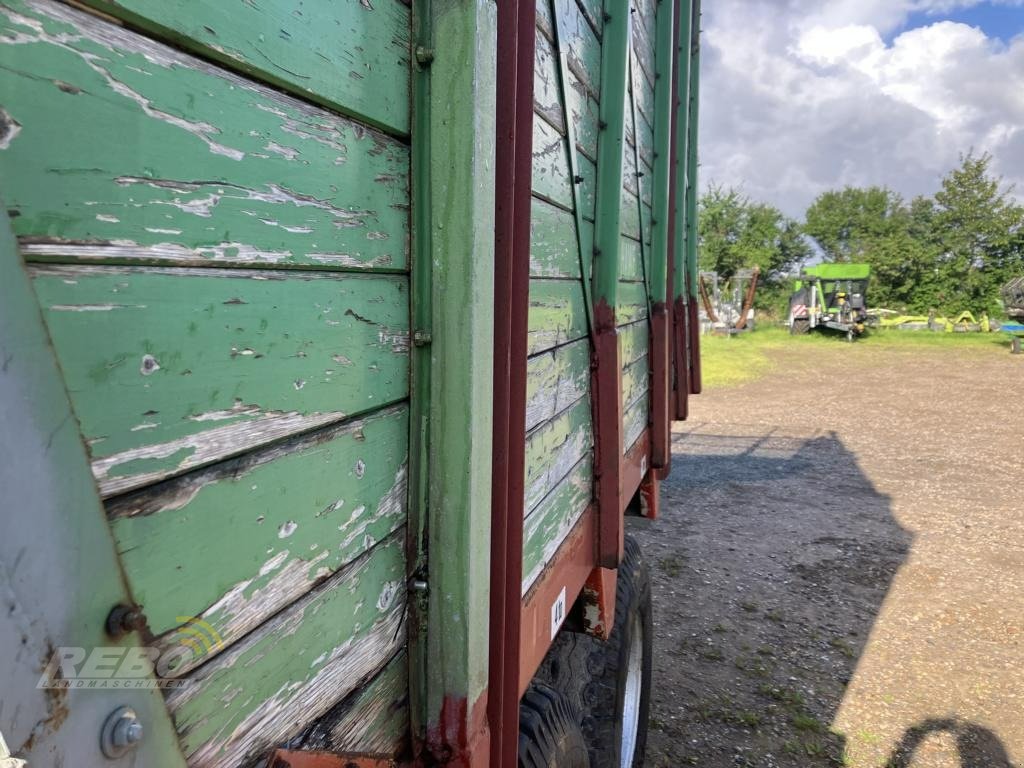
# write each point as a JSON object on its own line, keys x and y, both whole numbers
{"x": 728, "y": 361}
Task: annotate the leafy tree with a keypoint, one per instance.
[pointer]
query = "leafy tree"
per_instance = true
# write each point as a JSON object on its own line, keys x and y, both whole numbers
{"x": 736, "y": 233}
{"x": 847, "y": 224}
{"x": 979, "y": 230}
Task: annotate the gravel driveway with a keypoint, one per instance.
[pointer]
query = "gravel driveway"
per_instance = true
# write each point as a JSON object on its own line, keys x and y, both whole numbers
{"x": 839, "y": 566}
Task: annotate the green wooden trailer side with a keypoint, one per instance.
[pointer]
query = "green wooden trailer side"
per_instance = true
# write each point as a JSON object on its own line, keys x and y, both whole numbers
{"x": 253, "y": 326}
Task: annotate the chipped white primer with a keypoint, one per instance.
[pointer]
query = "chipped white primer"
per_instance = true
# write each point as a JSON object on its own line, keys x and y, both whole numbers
{"x": 204, "y": 447}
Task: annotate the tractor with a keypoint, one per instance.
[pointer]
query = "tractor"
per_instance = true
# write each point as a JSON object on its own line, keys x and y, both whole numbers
{"x": 832, "y": 298}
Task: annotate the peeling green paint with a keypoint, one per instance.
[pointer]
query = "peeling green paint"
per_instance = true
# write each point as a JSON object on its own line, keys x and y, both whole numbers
{"x": 206, "y": 168}
{"x": 351, "y": 56}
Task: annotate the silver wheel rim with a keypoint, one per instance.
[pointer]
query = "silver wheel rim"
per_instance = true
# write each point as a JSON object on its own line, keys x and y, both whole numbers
{"x": 631, "y": 700}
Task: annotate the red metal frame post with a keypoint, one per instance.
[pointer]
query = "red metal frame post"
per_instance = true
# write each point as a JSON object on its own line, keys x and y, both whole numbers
{"x": 660, "y": 238}
{"x": 513, "y": 172}
{"x": 680, "y": 192}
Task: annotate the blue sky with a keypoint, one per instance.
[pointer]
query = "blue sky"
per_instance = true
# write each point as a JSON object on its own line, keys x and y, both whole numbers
{"x": 996, "y": 21}
{"x": 804, "y": 96}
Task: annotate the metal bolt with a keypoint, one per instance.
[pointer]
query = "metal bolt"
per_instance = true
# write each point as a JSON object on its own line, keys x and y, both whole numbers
{"x": 418, "y": 585}
{"x": 424, "y": 55}
{"x": 121, "y": 733}
{"x": 123, "y": 619}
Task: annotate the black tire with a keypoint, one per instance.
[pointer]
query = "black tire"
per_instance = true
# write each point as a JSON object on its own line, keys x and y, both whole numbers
{"x": 800, "y": 327}
{"x": 592, "y": 674}
{"x": 549, "y": 731}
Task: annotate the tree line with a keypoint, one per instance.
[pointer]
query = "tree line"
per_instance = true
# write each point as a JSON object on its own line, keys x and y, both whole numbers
{"x": 950, "y": 252}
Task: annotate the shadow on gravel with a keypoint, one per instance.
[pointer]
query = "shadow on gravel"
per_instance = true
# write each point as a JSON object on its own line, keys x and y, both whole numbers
{"x": 978, "y": 747}
{"x": 770, "y": 563}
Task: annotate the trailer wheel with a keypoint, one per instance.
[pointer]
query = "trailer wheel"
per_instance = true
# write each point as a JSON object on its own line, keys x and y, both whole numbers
{"x": 549, "y": 731}
{"x": 800, "y": 327}
{"x": 610, "y": 682}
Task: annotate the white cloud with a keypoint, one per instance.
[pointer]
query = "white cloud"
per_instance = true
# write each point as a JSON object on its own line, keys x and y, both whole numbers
{"x": 800, "y": 96}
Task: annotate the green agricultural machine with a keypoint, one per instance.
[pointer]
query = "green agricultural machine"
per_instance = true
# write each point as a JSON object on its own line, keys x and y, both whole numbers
{"x": 830, "y": 297}
{"x": 337, "y": 341}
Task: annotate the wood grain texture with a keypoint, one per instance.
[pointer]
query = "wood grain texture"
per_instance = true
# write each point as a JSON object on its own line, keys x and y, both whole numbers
{"x": 582, "y": 45}
{"x": 554, "y": 518}
{"x": 375, "y": 720}
{"x": 170, "y": 369}
{"x": 235, "y": 543}
{"x": 554, "y": 251}
{"x": 636, "y": 379}
{"x": 632, "y": 304}
{"x": 352, "y": 55}
{"x": 557, "y": 314}
{"x": 634, "y": 421}
{"x": 288, "y": 673}
{"x": 555, "y": 447}
{"x": 176, "y": 161}
{"x": 556, "y": 379}
{"x": 631, "y": 269}
{"x": 583, "y": 107}
{"x": 634, "y": 340}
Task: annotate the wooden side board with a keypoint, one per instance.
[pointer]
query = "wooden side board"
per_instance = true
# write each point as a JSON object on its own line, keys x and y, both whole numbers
{"x": 234, "y": 544}
{"x": 548, "y": 525}
{"x": 554, "y": 448}
{"x": 351, "y": 56}
{"x": 292, "y": 670}
{"x": 372, "y": 721}
{"x": 555, "y": 380}
{"x": 175, "y": 161}
{"x": 172, "y": 369}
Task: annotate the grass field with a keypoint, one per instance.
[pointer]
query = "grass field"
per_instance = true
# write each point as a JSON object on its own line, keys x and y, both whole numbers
{"x": 731, "y": 360}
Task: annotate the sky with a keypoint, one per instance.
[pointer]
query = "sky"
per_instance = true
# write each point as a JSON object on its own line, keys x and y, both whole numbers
{"x": 802, "y": 96}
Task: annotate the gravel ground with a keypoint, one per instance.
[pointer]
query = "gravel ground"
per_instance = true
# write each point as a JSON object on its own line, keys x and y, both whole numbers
{"x": 839, "y": 566}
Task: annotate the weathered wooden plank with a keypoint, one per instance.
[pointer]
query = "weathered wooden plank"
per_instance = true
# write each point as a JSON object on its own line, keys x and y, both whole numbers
{"x": 582, "y": 45}
{"x": 634, "y": 421}
{"x": 632, "y": 304}
{"x": 634, "y": 340}
{"x": 554, "y": 251}
{"x": 594, "y": 11}
{"x": 351, "y": 55}
{"x": 583, "y": 108}
{"x": 630, "y": 216}
{"x": 636, "y": 379}
{"x": 170, "y": 369}
{"x": 373, "y": 720}
{"x": 377, "y": 720}
{"x": 177, "y": 161}
{"x": 646, "y": 142}
{"x": 644, "y": 37}
{"x": 630, "y": 266}
{"x": 551, "y": 177}
{"x": 557, "y": 314}
{"x": 554, "y": 518}
{"x": 553, "y": 448}
{"x": 235, "y": 543}
{"x": 555, "y": 380}
{"x": 282, "y": 677}
{"x": 633, "y": 182}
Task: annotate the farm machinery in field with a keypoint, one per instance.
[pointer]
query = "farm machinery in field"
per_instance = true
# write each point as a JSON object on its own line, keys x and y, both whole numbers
{"x": 830, "y": 297}
{"x": 727, "y": 306}
{"x": 1013, "y": 299}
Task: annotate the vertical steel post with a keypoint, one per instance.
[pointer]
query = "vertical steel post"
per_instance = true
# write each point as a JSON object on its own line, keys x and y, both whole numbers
{"x": 419, "y": 399}
{"x": 681, "y": 136}
{"x": 517, "y": 26}
{"x": 660, "y": 316}
{"x": 461, "y": 191}
{"x": 693, "y": 193}
{"x": 608, "y": 368}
